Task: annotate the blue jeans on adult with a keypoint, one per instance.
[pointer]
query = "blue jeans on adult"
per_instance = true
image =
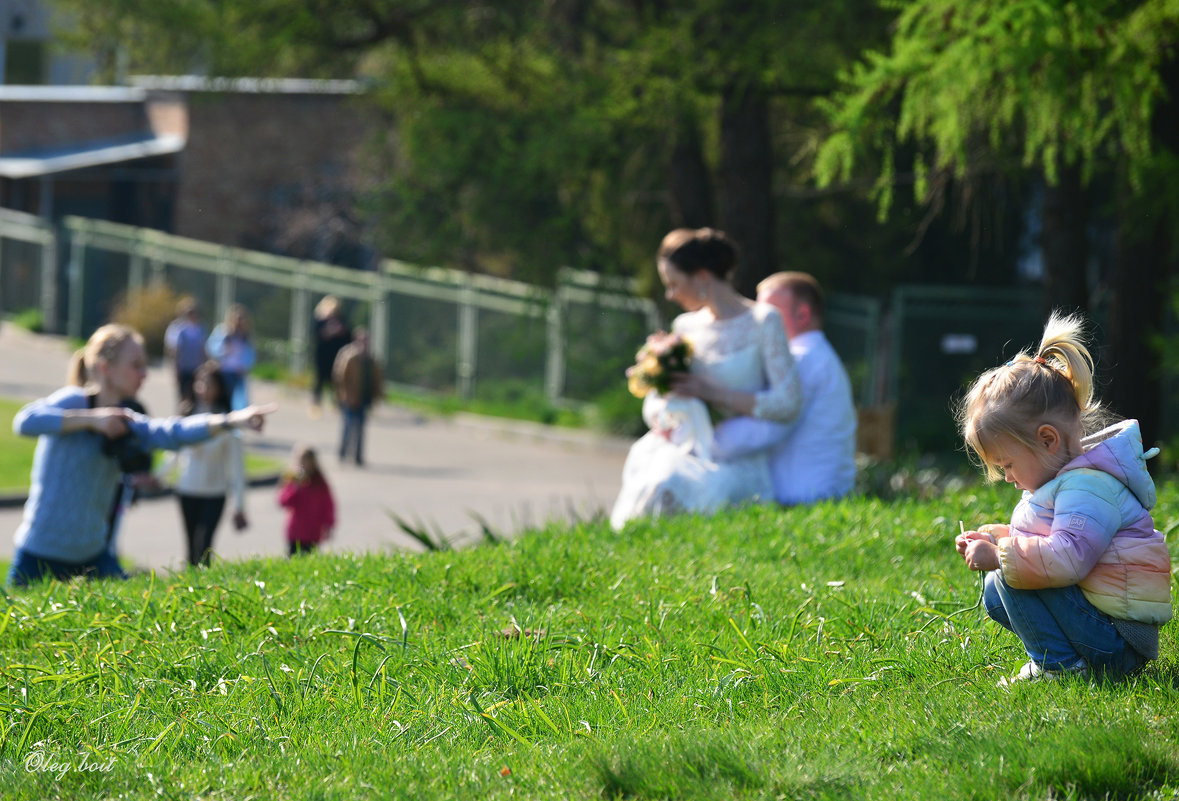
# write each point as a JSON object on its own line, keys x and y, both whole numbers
{"x": 352, "y": 437}
{"x": 27, "y": 568}
{"x": 1058, "y": 625}
{"x": 237, "y": 388}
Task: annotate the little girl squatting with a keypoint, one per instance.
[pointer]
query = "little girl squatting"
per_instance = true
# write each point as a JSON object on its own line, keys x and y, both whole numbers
{"x": 1080, "y": 574}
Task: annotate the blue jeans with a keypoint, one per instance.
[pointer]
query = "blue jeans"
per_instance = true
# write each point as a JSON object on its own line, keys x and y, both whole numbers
{"x": 237, "y": 389}
{"x": 27, "y": 568}
{"x": 352, "y": 437}
{"x": 1058, "y": 626}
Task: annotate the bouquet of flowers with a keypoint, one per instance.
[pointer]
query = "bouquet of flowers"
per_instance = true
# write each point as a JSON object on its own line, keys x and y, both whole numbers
{"x": 661, "y": 355}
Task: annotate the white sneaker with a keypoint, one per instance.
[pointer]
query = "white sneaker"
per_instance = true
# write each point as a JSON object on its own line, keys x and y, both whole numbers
{"x": 1033, "y": 672}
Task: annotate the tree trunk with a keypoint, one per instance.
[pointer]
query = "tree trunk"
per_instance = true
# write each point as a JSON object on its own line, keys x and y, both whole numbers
{"x": 1146, "y": 262}
{"x": 1064, "y": 242}
{"x": 1136, "y": 315}
{"x": 691, "y": 187}
{"x": 747, "y": 211}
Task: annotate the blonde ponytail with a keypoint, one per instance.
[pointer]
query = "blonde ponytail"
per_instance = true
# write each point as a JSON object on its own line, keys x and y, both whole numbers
{"x": 76, "y": 373}
{"x": 1054, "y": 385}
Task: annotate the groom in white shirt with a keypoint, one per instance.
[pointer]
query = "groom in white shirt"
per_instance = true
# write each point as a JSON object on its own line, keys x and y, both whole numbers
{"x": 816, "y": 459}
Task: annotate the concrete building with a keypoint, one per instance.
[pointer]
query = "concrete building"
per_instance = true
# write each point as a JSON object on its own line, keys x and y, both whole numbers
{"x": 273, "y": 165}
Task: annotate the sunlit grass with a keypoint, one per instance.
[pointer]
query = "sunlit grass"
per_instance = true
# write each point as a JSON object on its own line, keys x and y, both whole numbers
{"x": 16, "y": 453}
{"x": 832, "y": 652}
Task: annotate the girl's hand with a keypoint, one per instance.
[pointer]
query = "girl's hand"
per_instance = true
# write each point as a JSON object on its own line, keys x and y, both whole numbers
{"x": 964, "y": 539}
{"x": 981, "y": 554}
{"x": 110, "y": 421}
{"x": 252, "y": 417}
{"x": 240, "y": 523}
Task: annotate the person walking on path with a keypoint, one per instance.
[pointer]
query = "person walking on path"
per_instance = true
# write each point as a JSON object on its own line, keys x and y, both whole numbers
{"x": 359, "y": 384}
{"x": 232, "y": 346}
{"x": 311, "y": 509}
{"x": 209, "y": 472}
{"x": 66, "y": 527}
{"x": 332, "y": 334}
{"x": 184, "y": 342}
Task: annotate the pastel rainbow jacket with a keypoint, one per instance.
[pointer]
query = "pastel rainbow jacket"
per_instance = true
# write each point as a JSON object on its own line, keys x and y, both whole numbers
{"x": 1091, "y": 525}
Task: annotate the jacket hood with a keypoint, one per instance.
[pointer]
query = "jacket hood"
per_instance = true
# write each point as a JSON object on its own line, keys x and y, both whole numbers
{"x": 1117, "y": 450}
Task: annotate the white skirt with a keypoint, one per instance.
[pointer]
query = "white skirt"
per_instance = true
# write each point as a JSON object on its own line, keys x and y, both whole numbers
{"x": 673, "y": 472}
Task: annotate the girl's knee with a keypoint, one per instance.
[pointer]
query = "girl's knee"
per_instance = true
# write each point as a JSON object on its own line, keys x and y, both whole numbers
{"x": 993, "y": 601}
{"x": 991, "y": 595}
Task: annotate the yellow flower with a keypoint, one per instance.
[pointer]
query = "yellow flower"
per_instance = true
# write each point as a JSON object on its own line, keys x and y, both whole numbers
{"x": 637, "y": 385}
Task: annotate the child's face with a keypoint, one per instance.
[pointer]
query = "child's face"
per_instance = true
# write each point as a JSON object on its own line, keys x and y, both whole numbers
{"x": 204, "y": 389}
{"x": 1021, "y": 465}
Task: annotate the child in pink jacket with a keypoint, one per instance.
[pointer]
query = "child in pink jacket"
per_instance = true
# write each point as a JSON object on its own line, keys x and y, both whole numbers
{"x": 311, "y": 511}
{"x": 1080, "y": 574}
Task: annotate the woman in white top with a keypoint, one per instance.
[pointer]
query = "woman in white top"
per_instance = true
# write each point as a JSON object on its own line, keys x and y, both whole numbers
{"x": 741, "y": 366}
{"x": 208, "y": 472}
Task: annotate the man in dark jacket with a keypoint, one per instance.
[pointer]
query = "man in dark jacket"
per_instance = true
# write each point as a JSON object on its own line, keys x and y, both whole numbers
{"x": 359, "y": 384}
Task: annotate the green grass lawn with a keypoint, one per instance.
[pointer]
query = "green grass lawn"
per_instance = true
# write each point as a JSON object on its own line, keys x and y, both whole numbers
{"x": 16, "y": 454}
{"x": 830, "y": 652}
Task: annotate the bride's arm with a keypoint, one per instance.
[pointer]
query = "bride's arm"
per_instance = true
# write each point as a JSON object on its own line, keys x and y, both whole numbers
{"x": 741, "y": 436}
{"x": 782, "y": 400}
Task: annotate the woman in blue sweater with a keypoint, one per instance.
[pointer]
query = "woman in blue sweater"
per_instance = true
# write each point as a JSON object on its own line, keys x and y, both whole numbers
{"x": 75, "y": 469}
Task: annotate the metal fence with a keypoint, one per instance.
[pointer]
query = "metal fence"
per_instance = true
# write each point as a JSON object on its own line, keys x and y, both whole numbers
{"x": 853, "y": 325}
{"x": 454, "y": 332}
{"x": 942, "y": 338}
{"x": 434, "y": 328}
{"x": 29, "y": 276}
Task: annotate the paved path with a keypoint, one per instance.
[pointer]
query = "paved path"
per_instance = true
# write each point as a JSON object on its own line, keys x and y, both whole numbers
{"x": 444, "y": 474}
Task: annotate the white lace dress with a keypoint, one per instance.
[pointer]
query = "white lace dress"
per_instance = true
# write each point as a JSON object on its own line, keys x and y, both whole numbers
{"x": 671, "y": 468}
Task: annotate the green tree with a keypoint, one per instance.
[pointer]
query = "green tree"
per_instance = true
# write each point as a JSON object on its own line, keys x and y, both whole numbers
{"x": 532, "y": 134}
{"x": 1078, "y": 92}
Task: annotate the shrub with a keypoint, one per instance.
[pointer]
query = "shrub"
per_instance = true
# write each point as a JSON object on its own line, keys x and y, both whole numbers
{"x": 30, "y": 320}
{"x": 149, "y": 311}
{"x": 518, "y": 399}
{"x": 619, "y": 412}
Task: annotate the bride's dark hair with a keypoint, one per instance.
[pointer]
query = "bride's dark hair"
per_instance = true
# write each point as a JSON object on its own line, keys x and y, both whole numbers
{"x": 694, "y": 249}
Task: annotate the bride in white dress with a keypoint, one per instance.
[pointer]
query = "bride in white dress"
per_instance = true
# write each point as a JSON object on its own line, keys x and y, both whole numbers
{"x": 741, "y": 367}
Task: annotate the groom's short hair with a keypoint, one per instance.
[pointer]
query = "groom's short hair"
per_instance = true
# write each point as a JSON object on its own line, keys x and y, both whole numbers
{"x": 803, "y": 287}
